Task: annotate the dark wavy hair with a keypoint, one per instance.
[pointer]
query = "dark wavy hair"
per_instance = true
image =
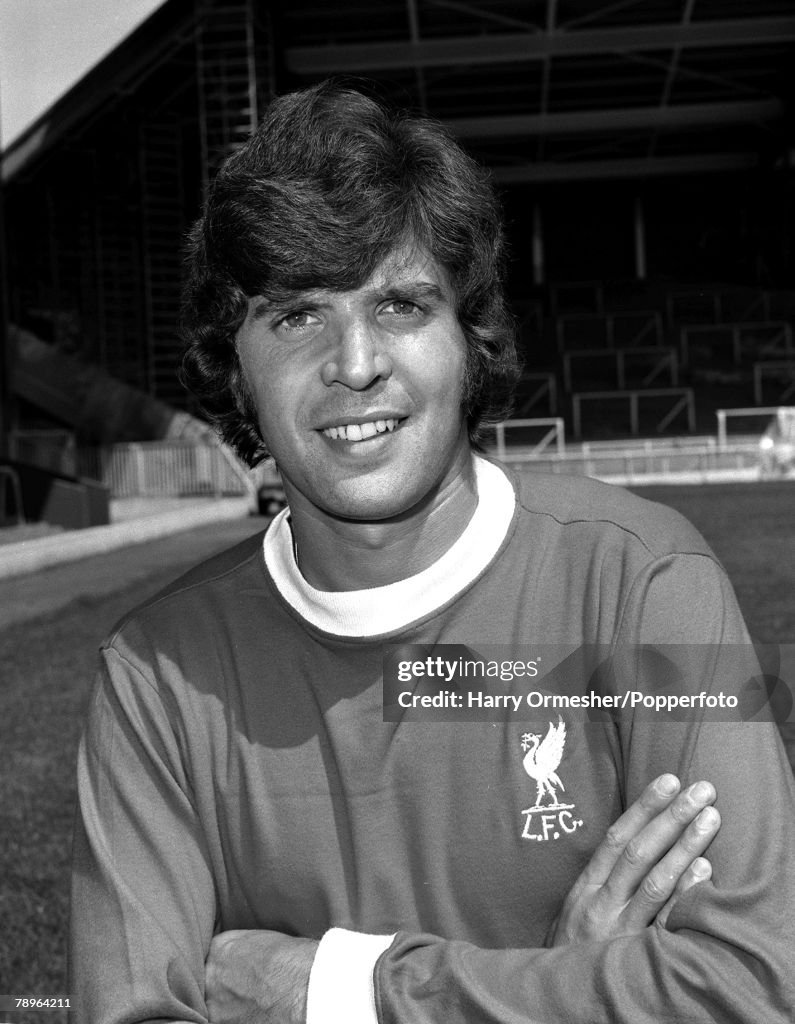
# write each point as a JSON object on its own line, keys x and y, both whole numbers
{"x": 330, "y": 184}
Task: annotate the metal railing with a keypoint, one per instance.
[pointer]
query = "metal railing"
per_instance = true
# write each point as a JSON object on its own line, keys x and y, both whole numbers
{"x": 167, "y": 469}
{"x": 763, "y": 338}
{"x": 554, "y": 432}
{"x": 754, "y": 413}
{"x": 626, "y": 328}
{"x": 661, "y": 462}
{"x": 633, "y": 460}
{"x": 683, "y": 402}
{"x": 656, "y": 361}
{"x": 782, "y": 372}
{"x": 191, "y": 469}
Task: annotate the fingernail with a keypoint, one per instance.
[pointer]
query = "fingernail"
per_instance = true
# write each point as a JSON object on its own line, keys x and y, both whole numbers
{"x": 667, "y": 785}
{"x": 701, "y": 791}
{"x": 707, "y": 819}
{"x": 701, "y": 867}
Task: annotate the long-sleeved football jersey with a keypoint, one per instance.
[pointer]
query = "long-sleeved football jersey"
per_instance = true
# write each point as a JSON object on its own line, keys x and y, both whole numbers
{"x": 237, "y": 771}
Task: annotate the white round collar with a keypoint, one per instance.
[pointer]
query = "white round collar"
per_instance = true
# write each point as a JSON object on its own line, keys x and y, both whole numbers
{"x": 380, "y": 610}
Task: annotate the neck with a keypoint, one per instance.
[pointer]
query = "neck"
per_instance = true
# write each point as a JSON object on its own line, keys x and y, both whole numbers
{"x": 343, "y": 554}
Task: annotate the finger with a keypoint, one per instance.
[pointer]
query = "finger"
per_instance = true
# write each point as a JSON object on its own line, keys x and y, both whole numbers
{"x": 699, "y": 871}
{"x": 649, "y": 846}
{"x": 673, "y": 871}
{"x": 656, "y": 797}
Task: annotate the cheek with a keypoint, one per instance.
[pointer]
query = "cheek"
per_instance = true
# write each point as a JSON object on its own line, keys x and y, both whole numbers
{"x": 443, "y": 363}
{"x": 276, "y": 412}
{"x": 450, "y": 379}
{"x": 265, "y": 405}
{"x": 273, "y": 391}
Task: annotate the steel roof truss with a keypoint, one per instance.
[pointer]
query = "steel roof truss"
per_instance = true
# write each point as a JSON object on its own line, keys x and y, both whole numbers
{"x": 622, "y": 119}
{"x": 498, "y": 48}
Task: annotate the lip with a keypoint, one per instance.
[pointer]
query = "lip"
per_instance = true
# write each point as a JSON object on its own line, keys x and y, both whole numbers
{"x": 343, "y": 420}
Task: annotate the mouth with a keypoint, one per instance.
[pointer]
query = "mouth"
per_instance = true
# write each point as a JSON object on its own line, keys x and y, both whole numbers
{"x": 361, "y": 431}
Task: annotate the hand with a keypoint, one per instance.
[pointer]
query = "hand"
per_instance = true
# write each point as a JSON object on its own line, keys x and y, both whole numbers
{"x": 258, "y": 977}
{"x": 650, "y": 855}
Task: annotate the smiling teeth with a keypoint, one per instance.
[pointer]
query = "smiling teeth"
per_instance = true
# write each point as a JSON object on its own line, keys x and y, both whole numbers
{"x": 360, "y": 431}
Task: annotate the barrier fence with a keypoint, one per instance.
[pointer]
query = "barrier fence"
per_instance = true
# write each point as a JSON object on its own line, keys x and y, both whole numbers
{"x": 171, "y": 469}
{"x": 190, "y": 469}
{"x": 628, "y": 464}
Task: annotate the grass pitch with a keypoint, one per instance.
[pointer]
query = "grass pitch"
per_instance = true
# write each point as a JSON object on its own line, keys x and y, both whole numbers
{"x": 751, "y": 528}
{"x": 48, "y": 663}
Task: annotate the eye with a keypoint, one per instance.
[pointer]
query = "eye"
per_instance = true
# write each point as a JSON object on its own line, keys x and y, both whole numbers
{"x": 300, "y": 320}
{"x": 401, "y": 308}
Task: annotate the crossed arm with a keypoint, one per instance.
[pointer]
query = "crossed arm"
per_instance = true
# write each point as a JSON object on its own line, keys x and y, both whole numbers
{"x": 147, "y": 897}
{"x": 652, "y": 854}
{"x": 153, "y": 884}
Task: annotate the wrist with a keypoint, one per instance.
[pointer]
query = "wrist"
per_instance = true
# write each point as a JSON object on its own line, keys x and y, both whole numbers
{"x": 341, "y": 981}
{"x": 305, "y": 951}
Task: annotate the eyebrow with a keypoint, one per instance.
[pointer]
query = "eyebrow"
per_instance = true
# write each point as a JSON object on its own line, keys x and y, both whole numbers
{"x": 418, "y": 289}
{"x": 270, "y": 307}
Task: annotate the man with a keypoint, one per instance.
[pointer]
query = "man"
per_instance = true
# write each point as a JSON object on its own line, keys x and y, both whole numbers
{"x": 258, "y": 840}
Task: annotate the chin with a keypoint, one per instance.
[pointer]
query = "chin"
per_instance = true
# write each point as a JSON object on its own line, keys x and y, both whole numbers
{"x": 364, "y": 506}
{"x": 367, "y": 511}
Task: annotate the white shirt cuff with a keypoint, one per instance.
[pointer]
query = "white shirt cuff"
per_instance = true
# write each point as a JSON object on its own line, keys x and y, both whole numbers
{"x": 341, "y": 980}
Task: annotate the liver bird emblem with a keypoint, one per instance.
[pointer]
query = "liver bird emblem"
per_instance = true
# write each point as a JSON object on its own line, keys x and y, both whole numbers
{"x": 542, "y": 759}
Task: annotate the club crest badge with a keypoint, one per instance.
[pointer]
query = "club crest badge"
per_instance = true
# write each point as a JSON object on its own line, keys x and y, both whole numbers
{"x": 548, "y": 818}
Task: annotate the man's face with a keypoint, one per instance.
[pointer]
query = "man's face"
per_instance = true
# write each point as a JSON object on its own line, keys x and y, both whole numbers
{"x": 358, "y": 393}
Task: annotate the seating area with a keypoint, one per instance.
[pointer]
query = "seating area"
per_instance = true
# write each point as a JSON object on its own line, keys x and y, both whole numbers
{"x": 629, "y": 359}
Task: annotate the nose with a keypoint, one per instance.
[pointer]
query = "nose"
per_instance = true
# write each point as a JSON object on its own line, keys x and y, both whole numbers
{"x": 358, "y": 357}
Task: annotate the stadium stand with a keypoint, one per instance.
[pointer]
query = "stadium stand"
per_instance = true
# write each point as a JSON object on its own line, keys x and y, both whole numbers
{"x": 645, "y": 155}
